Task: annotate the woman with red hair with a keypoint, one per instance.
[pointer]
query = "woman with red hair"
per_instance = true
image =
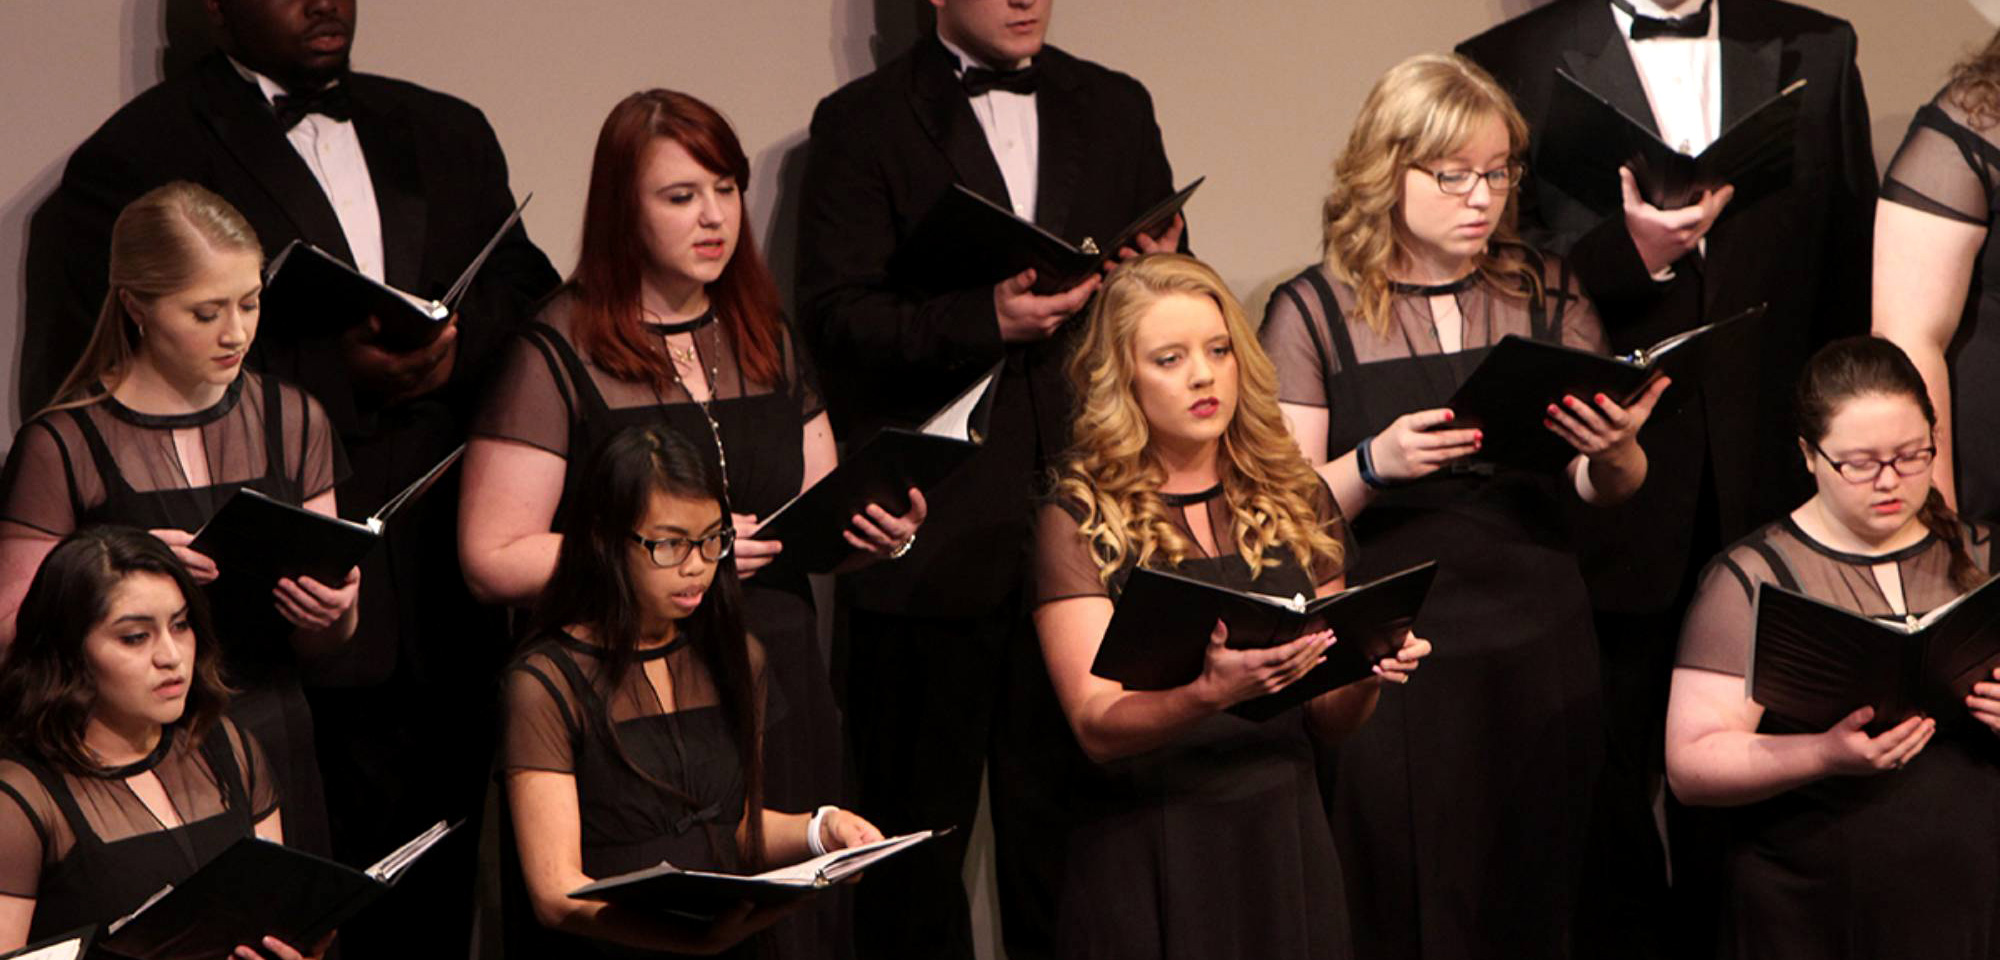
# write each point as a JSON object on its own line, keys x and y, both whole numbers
{"x": 671, "y": 316}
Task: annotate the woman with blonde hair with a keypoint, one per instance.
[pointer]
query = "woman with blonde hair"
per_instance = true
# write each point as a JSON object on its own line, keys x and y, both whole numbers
{"x": 1937, "y": 271}
{"x": 1201, "y": 833}
{"x": 1460, "y": 812}
{"x": 156, "y": 427}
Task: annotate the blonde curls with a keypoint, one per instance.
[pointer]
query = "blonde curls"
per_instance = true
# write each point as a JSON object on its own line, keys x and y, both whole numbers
{"x": 1421, "y": 110}
{"x": 159, "y": 245}
{"x": 1114, "y": 479}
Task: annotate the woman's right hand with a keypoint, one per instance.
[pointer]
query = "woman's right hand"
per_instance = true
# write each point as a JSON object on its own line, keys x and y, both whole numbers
{"x": 1850, "y": 751}
{"x": 1230, "y": 676}
{"x": 198, "y": 565}
{"x": 1412, "y": 446}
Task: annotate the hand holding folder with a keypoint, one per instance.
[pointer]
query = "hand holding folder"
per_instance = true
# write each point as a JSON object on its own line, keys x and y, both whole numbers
{"x": 705, "y": 895}
{"x": 1160, "y": 632}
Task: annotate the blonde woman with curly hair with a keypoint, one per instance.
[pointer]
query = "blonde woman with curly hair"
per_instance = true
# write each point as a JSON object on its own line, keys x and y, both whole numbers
{"x": 1459, "y": 813}
{"x": 1201, "y": 833}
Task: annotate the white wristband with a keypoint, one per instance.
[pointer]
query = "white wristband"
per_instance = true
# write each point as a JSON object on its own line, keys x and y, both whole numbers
{"x": 812, "y": 830}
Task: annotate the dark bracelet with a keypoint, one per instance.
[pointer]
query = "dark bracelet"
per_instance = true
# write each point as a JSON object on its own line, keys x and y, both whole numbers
{"x": 1366, "y": 462}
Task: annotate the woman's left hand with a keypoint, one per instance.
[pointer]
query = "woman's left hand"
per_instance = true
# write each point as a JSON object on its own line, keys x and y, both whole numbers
{"x": 1984, "y": 701}
{"x": 1397, "y": 669}
{"x": 842, "y": 828}
{"x": 272, "y": 947}
{"x": 751, "y": 555}
{"x": 312, "y": 605}
{"x": 1605, "y": 430}
{"x": 878, "y": 532}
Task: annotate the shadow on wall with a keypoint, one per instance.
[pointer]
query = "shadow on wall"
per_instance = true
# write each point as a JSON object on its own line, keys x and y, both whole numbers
{"x": 161, "y": 38}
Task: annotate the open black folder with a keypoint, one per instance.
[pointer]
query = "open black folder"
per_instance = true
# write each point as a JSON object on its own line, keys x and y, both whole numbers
{"x": 1585, "y": 139}
{"x": 253, "y": 532}
{"x": 1816, "y": 663}
{"x": 1509, "y": 393}
{"x": 74, "y": 945}
{"x": 704, "y": 895}
{"x": 1158, "y": 637}
{"x": 973, "y": 240}
{"x": 254, "y": 889}
{"x": 880, "y": 471}
{"x": 314, "y": 294}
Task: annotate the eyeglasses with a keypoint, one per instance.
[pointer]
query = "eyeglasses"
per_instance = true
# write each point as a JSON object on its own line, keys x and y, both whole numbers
{"x": 674, "y": 551}
{"x": 1458, "y": 183}
{"x": 1866, "y": 469}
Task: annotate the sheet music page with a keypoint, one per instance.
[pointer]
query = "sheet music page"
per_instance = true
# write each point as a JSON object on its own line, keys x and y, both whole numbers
{"x": 955, "y": 420}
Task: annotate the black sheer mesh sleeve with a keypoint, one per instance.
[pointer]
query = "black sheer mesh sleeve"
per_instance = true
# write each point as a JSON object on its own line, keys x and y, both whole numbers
{"x": 322, "y": 461}
{"x": 38, "y": 488}
{"x": 1065, "y": 567}
{"x": 540, "y": 722}
{"x": 531, "y": 401}
{"x": 1721, "y": 620}
{"x": 1324, "y": 569}
{"x": 801, "y": 375}
{"x": 1295, "y": 335}
{"x": 1945, "y": 166}
{"x": 25, "y": 808}
{"x": 259, "y": 785}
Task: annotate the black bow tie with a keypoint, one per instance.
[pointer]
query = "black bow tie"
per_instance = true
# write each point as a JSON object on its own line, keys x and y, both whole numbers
{"x": 331, "y": 102}
{"x": 979, "y": 80}
{"x": 1692, "y": 26}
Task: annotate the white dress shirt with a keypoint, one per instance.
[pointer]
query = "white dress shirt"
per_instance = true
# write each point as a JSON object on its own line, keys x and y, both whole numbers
{"x": 1013, "y": 130}
{"x": 332, "y": 151}
{"x": 1682, "y": 76}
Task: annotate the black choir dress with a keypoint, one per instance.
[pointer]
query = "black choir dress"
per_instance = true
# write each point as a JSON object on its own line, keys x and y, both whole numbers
{"x": 1905, "y": 863}
{"x": 88, "y": 851}
{"x": 107, "y": 463}
{"x": 1215, "y": 845}
{"x": 552, "y": 397}
{"x": 1948, "y": 167}
{"x": 1460, "y": 808}
{"x": 628, "y": 822}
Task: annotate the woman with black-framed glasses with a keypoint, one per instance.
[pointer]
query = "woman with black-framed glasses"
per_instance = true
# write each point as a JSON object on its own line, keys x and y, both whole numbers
{"x": 1461, "y": 810}
{"x": 1835, "y": 827}
{"x": 636, "y": 714}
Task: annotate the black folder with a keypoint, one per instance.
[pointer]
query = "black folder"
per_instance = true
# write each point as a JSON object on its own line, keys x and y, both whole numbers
{"x": 1585, "y": 139}
{"x": 1816, "y": 663}
{"x": 968, "y": 240}
{"x": 1158, "y": 637}
{"x": 1509, "y": 393}
{"x": 253, "y": 532}
{"x": 880, "y": 471}
{"x": 313, "y": 293}
{"x": 705, "y": 896}
{"x": 253, "y": 889}
{"x": 74, "y": 945}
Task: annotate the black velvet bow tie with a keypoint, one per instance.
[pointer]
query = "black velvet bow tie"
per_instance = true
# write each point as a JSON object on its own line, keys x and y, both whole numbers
{"x": 331, "y": 102}
{"x": 979, "y": 80}
{"x": 1692, "y": 26}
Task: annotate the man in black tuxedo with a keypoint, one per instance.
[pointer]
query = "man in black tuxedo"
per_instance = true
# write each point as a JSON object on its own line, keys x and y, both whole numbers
{"x": 1722, "y": 450}
{"x": 942, "y": 664}
{"x": 407, "y": 184}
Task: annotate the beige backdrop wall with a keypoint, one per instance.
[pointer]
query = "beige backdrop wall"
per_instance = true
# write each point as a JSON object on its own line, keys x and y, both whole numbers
{"x": 1252, "y": 93}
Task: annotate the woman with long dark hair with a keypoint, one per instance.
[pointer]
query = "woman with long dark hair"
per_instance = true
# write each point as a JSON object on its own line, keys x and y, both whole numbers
{"x": 118, "y": 773}
{"x": 157, "y": 426}
{"x": 671, "y": 317}
{"x": 636, "y": 715}
{"x": 1843, "y": 843}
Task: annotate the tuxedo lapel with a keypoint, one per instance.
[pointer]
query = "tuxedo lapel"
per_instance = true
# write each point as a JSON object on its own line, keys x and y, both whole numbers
{"x": 1750, "y": 56}
{"x": 1060, "y": 112}
{"x": 1599, "y": 59}
{"x": 243, "y": 124}
{"x": 389, "y": 145}
{"x": 946, "y": 116}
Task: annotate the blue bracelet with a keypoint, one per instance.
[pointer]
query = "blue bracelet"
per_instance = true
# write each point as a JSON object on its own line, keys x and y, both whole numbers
{"x": 1366, "y": 462}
